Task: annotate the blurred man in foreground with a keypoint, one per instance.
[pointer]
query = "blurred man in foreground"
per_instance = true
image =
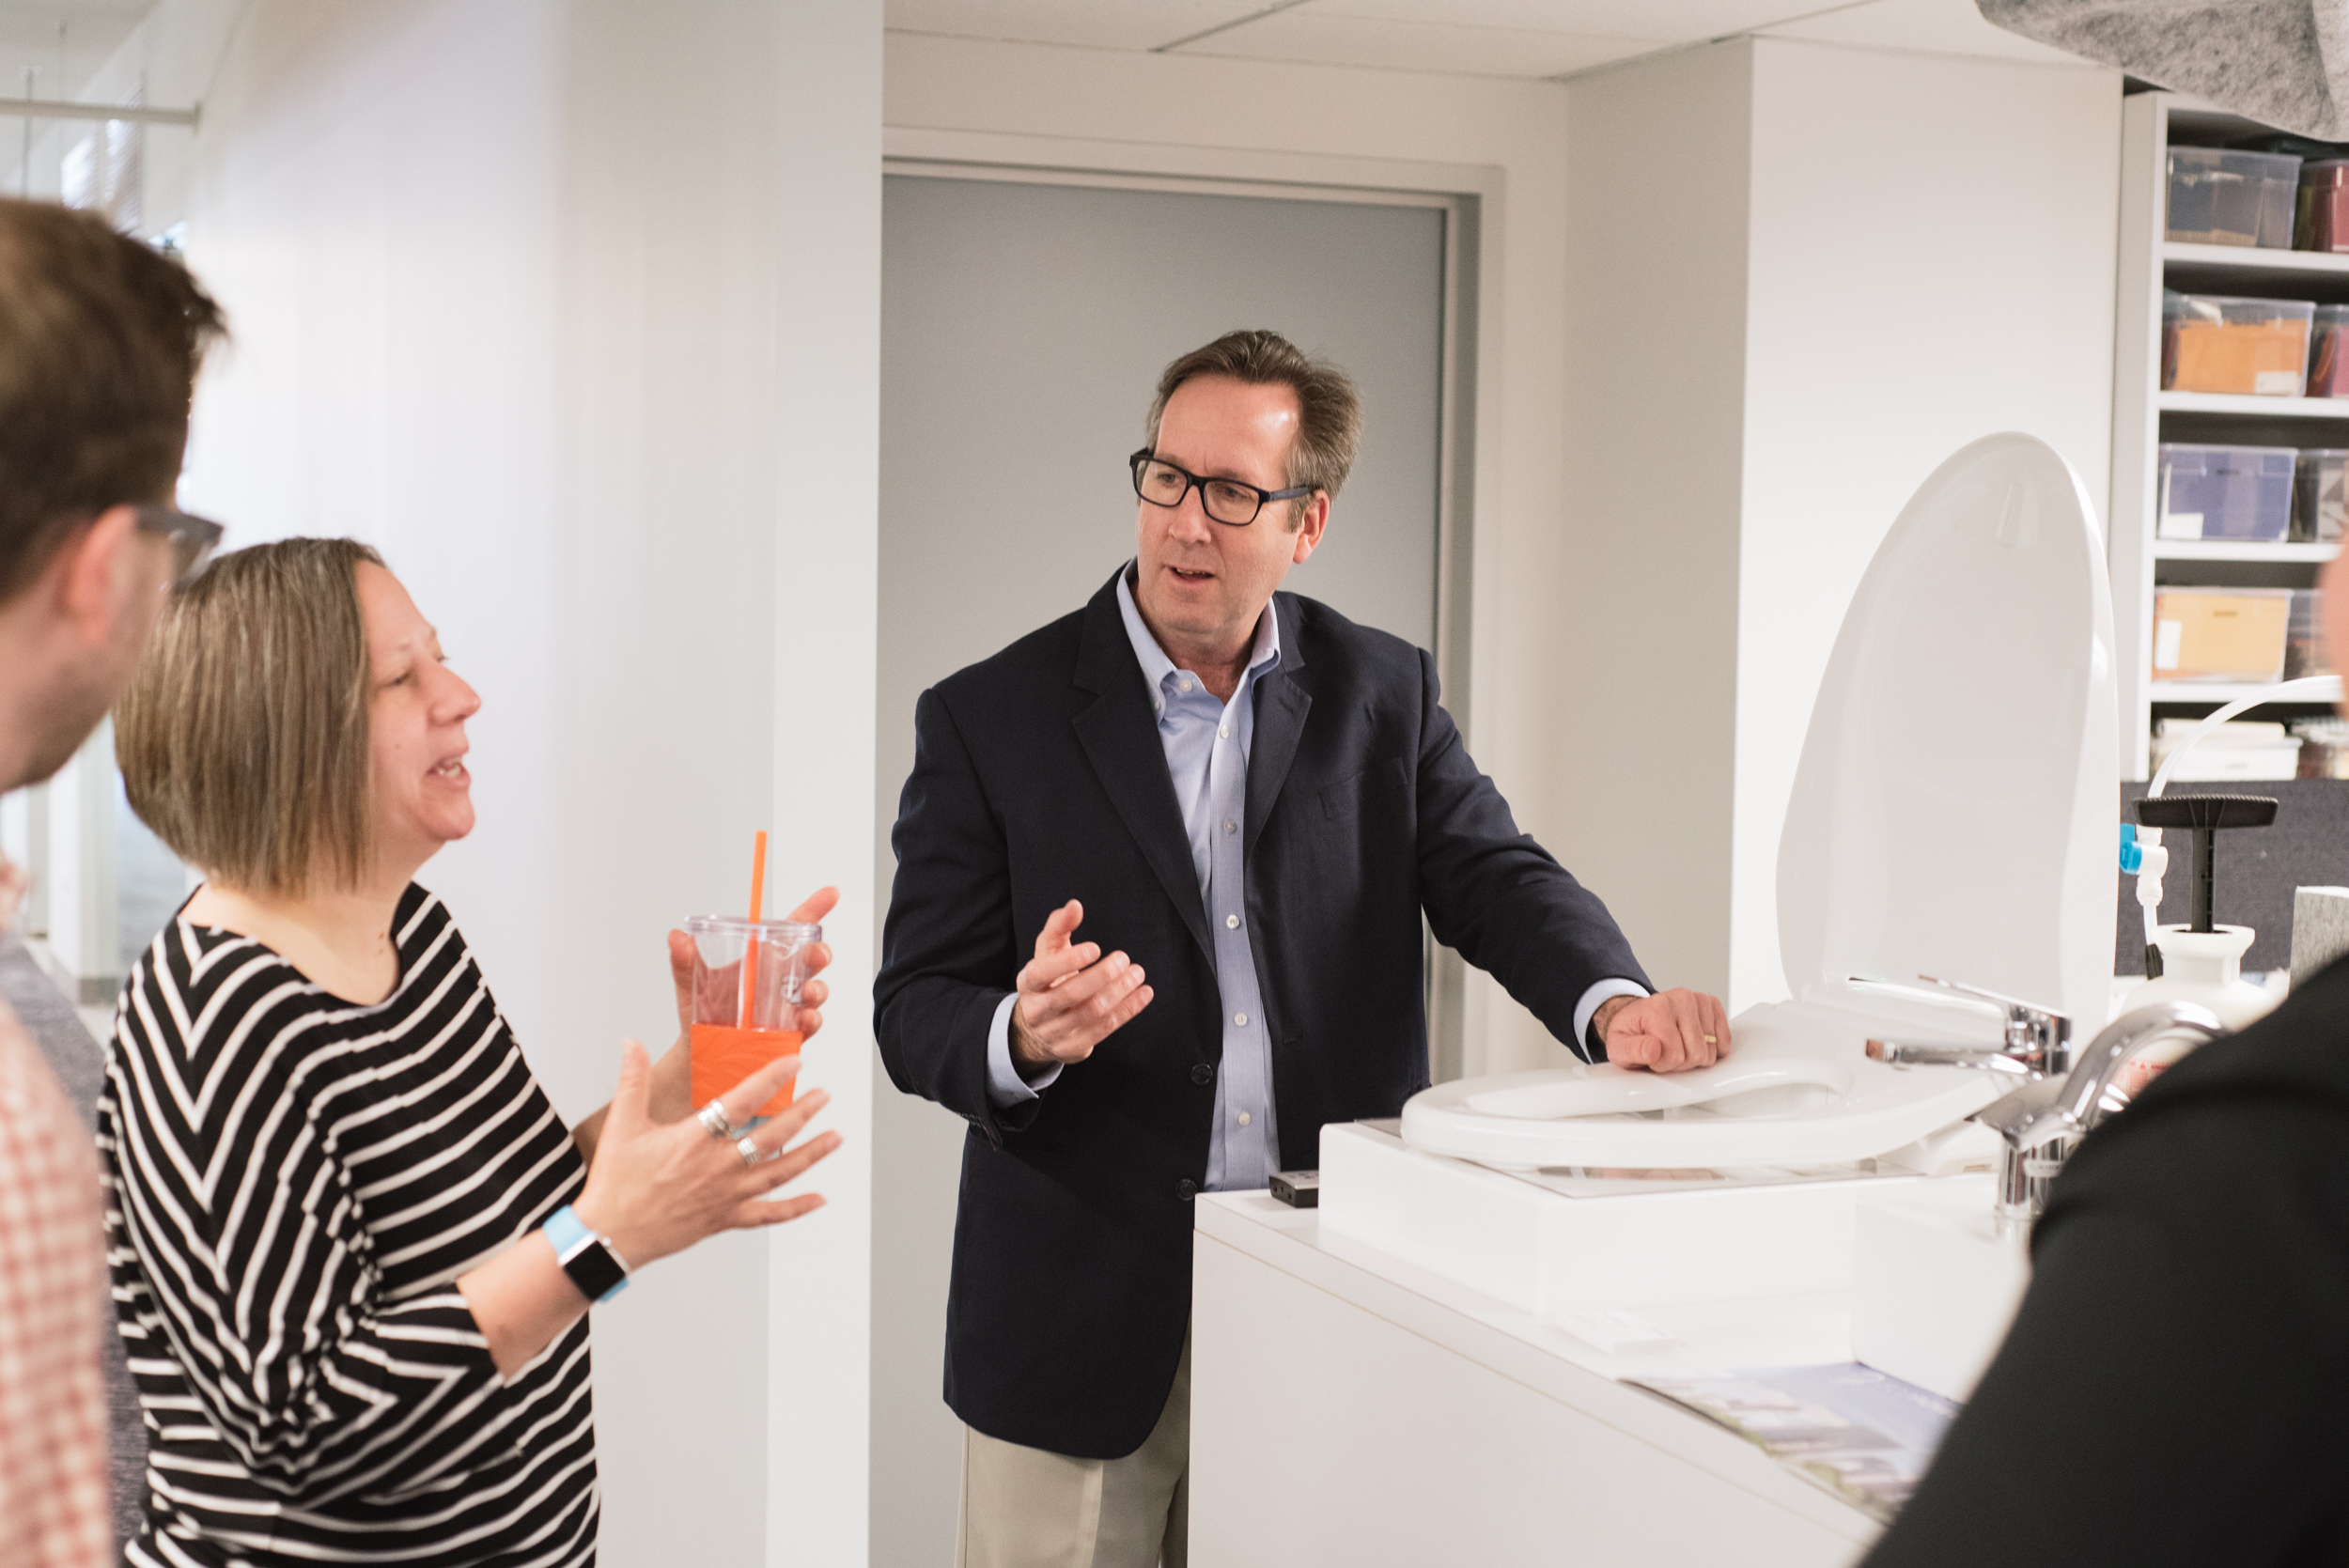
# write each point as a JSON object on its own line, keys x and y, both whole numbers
{"x": 100, "y": 341}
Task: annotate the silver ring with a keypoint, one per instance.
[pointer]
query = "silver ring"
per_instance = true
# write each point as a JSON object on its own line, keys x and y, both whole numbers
{"x": 715, "y": 1121}
{"x": 750, "y": 1151}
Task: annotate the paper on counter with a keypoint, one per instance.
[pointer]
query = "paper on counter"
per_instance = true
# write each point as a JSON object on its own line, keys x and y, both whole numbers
{"x": 1859, "y": 1433}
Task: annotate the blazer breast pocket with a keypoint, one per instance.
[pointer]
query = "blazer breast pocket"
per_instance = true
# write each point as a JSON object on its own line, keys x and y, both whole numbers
{"x": 1366, "y": 790}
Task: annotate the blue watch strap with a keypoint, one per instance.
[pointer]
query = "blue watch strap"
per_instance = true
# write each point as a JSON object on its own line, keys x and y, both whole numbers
{"x": 566, "y": 1229}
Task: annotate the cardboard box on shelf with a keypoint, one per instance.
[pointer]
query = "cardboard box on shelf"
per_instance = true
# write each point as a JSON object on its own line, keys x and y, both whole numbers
{"x": 2220, "y": 634}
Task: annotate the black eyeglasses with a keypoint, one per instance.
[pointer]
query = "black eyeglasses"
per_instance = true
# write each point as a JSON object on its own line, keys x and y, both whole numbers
{"x": 1230, "y": 502}
{"x": 192, "y": 539}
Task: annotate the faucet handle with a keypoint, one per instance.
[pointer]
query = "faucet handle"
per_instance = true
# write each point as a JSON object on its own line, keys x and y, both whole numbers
{"x": 1899, "y": 1053}
{"x": 2036, "y": 1042}
{"x": 2036, "y": 1033}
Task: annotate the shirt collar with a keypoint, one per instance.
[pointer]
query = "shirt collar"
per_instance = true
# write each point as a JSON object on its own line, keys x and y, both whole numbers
{"x": 1157, "y": 667}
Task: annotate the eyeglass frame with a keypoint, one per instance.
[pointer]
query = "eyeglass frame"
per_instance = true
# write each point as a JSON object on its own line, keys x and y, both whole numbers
{"x": 1195, "y": 482}
{"x": 192, "y": 538}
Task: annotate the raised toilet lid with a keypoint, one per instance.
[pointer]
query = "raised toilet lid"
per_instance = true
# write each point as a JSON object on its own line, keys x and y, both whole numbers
{"x": 1953, "y": 811}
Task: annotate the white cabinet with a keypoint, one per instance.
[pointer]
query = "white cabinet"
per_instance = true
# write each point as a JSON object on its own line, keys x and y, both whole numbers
{"x": 1350, "y": 1410}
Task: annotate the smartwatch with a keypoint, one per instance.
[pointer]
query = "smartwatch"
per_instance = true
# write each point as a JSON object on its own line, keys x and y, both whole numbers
{"x": 593, "y": 1263}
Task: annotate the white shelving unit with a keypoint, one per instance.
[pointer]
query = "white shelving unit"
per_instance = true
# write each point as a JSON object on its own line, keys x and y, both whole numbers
{"x": 2252, "y": 408}
{"x": 2144, "y": 416}
{"x": 2209, "y": 693}
{"x": 2237, "y": 549}
{"x": 2240, "y": 258}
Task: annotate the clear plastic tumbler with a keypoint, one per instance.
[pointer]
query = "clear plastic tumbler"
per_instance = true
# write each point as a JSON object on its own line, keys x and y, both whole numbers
{"x": 747, "y": 975}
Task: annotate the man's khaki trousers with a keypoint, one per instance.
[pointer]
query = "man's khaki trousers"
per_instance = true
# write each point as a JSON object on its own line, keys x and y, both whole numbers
{"x": 1027, "y": 1508}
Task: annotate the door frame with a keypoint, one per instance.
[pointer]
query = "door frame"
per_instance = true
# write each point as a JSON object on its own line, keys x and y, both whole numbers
{"x": 1468, "y": 196}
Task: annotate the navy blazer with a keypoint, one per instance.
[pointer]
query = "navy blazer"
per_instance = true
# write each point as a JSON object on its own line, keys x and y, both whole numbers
{"x": 1038, "y": 777}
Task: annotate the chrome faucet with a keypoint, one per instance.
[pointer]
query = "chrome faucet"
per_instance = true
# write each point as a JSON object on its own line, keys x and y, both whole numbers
{"x": 2059, "y": 1101}
{"x": 2043, "y": 1121}
{"x": 2037, "y": 1043}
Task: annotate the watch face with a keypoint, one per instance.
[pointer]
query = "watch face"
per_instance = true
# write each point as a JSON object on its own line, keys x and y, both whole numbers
{"x": 594, "y": 1269}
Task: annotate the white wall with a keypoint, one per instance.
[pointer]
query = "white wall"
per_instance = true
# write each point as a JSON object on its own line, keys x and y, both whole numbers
{"x": 1642, "y": 733}
{"x": 1803, "y": 274}
{"x": 572, "y": 309}
{"x": 1931, "y": 260}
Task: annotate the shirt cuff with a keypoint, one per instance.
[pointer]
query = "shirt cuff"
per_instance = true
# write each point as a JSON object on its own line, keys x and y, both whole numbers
{"x": 1004, "y": 1085}
{"x": 1583, "y": 1044}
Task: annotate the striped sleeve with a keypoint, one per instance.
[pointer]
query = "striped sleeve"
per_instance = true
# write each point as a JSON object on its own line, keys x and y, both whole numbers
{"x": 245, "y": 1218}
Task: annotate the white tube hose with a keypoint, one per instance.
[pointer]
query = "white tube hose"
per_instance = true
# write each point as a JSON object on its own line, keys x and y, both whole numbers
{"x": 2156, "y": 861}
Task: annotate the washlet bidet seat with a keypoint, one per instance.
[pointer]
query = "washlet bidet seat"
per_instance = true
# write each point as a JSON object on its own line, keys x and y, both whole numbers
{"x": 1951, "y": 815}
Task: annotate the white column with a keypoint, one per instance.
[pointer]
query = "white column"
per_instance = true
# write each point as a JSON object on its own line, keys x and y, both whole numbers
{"x": 81, "y": 869}
{"x": 827, "y": 454}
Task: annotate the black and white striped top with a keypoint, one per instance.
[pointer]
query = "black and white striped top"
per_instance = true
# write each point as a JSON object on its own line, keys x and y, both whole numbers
{"x": 293, "y": 1185}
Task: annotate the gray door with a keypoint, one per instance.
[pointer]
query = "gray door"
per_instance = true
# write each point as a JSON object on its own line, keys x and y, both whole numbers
{"x": 1023, "y": 327}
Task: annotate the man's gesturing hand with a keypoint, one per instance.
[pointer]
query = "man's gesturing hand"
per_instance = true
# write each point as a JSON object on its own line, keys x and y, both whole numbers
{"x": 1071, "y": 998}
{"x": 1668, "y": 1032}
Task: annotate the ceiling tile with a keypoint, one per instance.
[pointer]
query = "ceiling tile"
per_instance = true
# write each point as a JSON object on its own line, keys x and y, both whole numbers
{"x": 1937, "y": 26}
{"x": 62, "y": 58}
{"x": 1310, "y": 38}
{"x": 1097, "y": 23}
{"x": 1662, "y": 20}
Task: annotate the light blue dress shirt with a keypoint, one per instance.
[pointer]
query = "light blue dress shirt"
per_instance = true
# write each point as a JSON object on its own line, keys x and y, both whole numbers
{"x": 1206, "y": 746}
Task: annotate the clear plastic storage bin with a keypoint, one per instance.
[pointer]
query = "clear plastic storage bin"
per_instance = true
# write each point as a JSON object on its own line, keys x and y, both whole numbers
{"x": 2328, "y": 365}
{"x": 2322, "y": 219}
{"x": 2303, "y": 638}
{"x": 2225, "y": 343}
{"x": 2221, "y": 198}
{"x": 2319, "y": 510}
{"x": 2225, "y": 493}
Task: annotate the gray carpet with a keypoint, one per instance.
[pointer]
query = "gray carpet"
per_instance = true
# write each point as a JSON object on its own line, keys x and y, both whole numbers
{"x": 79, "y": 1064}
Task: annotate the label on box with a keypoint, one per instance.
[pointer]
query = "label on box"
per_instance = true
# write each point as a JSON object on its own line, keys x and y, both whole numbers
{"x": 2181, "y": 525}
{"x": 2276, "y": 384}
{"x": 2168, "y": 636}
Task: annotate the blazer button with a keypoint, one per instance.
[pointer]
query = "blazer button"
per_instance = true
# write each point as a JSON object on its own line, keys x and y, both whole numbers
{"x": 1202, "y": 1073}
{"x": 1186, "y": 1189}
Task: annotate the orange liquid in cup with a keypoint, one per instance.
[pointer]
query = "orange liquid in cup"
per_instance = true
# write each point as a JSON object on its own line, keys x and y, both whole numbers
{"x": 724, "y": 1056}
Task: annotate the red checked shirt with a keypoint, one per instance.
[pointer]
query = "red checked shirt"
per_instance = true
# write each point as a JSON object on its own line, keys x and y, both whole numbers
{"x": 52, "y": 1268}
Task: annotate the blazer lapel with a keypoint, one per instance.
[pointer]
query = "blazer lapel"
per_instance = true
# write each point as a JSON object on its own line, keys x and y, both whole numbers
{"x": 1282, "y": 704}
{"x": 1120, "y": 737}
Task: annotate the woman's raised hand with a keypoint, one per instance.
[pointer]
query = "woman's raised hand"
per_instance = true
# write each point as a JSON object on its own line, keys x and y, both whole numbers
{"x": 658, "y": 1189}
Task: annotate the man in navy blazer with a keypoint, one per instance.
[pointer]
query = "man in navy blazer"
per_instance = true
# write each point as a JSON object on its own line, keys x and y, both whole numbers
{"x": 1245, "y": 801}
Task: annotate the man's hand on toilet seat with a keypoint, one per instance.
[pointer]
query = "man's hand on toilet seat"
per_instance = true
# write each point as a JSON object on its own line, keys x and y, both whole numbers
{"x": 1671, "y": 1032}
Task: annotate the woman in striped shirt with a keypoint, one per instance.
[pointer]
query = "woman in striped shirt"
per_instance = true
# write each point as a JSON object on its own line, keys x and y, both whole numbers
{"x": 352, "y": 1246}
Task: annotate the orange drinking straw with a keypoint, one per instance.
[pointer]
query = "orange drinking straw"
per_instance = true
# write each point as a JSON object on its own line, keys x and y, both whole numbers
{"x": 758, "y": 906}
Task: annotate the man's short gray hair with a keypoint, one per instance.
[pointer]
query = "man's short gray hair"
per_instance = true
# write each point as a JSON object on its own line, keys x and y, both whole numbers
{"x": 1330, "y": 411}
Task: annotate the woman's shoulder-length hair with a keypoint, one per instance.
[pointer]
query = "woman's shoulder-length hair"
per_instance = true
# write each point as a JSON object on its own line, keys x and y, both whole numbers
{"x": 244, "y": 738}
